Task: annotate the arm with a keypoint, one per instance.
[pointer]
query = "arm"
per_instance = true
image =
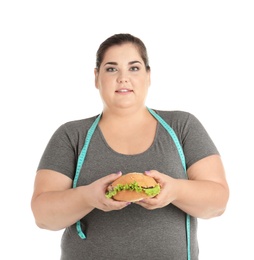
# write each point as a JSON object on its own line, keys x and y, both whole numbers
{"x": 56, "y": 205}
{"x": 204, "y": 195}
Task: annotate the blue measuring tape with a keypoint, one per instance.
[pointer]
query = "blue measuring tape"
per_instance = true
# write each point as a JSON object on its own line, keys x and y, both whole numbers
{"x": 181, "y": 154}
{"x": 80, "y": 162}
{"x": 83, "y": 153}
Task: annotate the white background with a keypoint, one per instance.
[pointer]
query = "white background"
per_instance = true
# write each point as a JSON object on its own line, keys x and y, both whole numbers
{"x": 202, "y": 61}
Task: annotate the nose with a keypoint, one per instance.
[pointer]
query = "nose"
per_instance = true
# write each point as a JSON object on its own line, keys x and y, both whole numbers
{"x": 122, "y": 78}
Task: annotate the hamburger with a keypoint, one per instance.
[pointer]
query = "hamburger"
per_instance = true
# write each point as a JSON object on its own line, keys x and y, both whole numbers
{"x": 133, "y": 187}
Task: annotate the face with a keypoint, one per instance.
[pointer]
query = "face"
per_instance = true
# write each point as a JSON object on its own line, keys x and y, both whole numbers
{"x": 122, "y": 78}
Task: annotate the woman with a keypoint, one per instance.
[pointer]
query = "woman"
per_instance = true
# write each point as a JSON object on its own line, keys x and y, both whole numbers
{"x": 69, "y": 191}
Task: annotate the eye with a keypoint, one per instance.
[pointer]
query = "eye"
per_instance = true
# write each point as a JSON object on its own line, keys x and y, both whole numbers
{"x": 134, "y": 68}
{"x": 110, "y": 69}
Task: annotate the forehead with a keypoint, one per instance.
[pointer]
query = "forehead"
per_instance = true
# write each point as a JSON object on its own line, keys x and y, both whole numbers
{"x": 126, "y": 51}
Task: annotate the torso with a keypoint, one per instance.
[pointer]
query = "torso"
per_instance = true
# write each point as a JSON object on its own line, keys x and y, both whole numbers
{"x": 166, "y": 236}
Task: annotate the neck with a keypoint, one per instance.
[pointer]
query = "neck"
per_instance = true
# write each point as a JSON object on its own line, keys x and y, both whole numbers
{"x": 125, "y": 116}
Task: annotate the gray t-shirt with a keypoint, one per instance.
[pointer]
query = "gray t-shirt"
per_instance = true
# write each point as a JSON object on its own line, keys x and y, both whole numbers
{"x": 134, "y": 232}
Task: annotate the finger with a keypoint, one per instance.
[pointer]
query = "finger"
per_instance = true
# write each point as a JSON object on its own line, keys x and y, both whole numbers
{"x": 144, "y": 204}
{"x": 112, "y": 177}
{"x": 155, "y": 174}
{"x": 116, "y": 205}
{"x": 152, "y": 173}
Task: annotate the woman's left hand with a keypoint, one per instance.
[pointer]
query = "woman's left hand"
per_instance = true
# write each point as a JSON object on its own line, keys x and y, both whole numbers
{"x": 203, "y": 195}
{"x": 166, "y": 195}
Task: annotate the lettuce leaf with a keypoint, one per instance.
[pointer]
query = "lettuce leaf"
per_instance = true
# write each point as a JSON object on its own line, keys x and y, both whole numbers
{"x": 153, "y": 191}
{"x": 133, "y": 187}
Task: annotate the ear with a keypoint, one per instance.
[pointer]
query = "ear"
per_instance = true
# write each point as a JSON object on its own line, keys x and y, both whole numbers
{"x": 149, "y": 78}
{"x": 96, "y": 77}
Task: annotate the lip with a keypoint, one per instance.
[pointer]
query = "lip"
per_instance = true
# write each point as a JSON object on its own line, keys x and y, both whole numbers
{"x": 124, "y": 91}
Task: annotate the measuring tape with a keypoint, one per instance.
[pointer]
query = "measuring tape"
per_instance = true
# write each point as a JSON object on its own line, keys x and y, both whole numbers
{"x": 181, "y": 154}
{"x": 80, "y": 162}
{"x": 83, "y": 153}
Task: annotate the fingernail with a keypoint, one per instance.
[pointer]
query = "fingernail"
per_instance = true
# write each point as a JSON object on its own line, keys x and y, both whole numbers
{"x": 119, "y": 172}
{"x": 147, "y": 172}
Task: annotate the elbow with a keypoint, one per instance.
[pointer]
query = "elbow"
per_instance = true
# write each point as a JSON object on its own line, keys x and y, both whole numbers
{"x": 213, "y": 213}
{"x": 216, "y": 213}
{"x": 218, "y": 210}
{"x": 220, "y": 213}
{"x": 222, "y": 202}
{"x": 40, "y": 223}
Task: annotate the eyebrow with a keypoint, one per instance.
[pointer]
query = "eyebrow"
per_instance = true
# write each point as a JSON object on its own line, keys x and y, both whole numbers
{"x": 115, "y": 63}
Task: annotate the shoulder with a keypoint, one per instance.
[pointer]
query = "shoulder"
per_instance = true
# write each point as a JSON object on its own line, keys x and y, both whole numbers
{"x": 177, "y": 117}
{"x": 173, "y": 114}
{"x": 195, "y": 140}
{"x": 79, "y": 124}
{"x": 185, "y": 124}
{"x": 75, "y": 128}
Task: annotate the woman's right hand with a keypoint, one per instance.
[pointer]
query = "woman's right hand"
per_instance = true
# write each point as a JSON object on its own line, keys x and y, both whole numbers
{"x": 56, "y": 205}
{"x": 95, "y": 194}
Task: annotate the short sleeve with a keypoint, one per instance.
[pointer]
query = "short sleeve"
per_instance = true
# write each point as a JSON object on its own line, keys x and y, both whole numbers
{"x": 60, "y": 154}
{"x": 197, "y": 143}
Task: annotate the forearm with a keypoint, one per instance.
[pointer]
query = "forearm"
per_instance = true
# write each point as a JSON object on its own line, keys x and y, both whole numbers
{"x": 55, "y": 210}
{"x": 200, "y": 198}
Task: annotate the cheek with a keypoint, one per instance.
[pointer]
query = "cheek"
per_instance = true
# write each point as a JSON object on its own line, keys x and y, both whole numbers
{"x": 104, "y": 81}
{"x": 100, "y": 83}
{"x": 146, "y": 82}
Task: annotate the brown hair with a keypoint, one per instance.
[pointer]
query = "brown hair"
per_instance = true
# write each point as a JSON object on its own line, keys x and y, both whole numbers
{"x": 118, "y": 39}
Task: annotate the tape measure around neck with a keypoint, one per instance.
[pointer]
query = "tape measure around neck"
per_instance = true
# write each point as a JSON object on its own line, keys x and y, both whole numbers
{"x": 80, "y": 162}
{"x": 83, "y": 153}
{"x": 181, "y": 154}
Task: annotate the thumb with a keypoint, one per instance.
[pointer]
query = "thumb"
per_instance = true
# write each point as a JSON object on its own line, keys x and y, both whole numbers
{"x": 112, "y": 177}
{"x": 153, "y": 173}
